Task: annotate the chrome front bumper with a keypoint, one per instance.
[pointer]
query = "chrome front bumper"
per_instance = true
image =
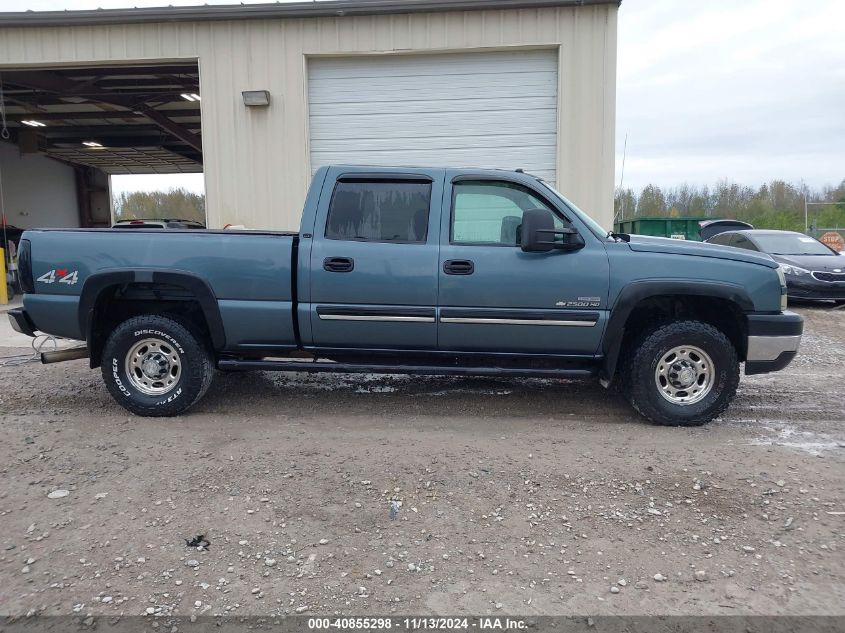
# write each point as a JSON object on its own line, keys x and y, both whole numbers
{"x": 773, "y": 341}
{"x": 769, "y": 348}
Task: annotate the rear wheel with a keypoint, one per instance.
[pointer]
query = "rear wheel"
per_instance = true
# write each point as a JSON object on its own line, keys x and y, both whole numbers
{"x": 156, "y": 366}
{"x": 682, "y": 374}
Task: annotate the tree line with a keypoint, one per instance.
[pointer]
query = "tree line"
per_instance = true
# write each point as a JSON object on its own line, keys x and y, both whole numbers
{"x": 774, "y": 205}
{"x": 175, "y": 204}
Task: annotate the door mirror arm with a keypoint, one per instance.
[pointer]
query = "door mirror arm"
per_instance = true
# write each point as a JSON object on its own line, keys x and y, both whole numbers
{"x": 572, "y": 239}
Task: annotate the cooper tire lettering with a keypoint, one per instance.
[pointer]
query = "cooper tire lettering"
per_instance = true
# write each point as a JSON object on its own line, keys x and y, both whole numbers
{"x": 117, "y": 380}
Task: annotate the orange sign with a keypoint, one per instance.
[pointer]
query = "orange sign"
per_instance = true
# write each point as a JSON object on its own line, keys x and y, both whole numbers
{"x": 834, "y": 240}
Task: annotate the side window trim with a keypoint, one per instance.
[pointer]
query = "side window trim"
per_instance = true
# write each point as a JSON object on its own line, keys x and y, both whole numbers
{"x": 465, "y": 178}
{"x": 377, "y": 176}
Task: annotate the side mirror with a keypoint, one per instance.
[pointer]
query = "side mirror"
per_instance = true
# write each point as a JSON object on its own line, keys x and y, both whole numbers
{"x": 539, "y": 234}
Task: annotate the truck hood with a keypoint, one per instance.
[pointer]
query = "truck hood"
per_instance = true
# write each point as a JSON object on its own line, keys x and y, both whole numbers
{"x": 643, "y": 243}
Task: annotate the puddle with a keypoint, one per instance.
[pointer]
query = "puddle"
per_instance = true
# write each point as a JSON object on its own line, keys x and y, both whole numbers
{"x": 377, "y": 389}
{"x": 790, "y": 437}
{"x": 414, "y": 385}
{"x": 460, "y": 390}
{"x": 360, "y": 383}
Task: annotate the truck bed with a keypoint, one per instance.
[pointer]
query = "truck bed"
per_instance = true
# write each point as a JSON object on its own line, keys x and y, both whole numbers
{"x": 249, "y": 273}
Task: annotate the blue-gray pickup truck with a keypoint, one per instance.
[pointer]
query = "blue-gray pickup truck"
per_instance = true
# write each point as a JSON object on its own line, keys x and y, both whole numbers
{"x": 412, "y": 270}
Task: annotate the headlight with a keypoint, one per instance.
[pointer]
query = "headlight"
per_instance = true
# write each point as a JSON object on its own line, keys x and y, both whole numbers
{"x": 794, "y": 270}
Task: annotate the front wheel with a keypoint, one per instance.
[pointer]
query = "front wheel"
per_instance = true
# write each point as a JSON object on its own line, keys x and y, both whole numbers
{"x": 156, "y": 366}
{"x": 682, "y": 374}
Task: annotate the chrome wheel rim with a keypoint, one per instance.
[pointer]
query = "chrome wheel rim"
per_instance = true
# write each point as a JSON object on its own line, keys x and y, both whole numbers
{"x": 684, "y": 375}
{"x": 153, "y": 366}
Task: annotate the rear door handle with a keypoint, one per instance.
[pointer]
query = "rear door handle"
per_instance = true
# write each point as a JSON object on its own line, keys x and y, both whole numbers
{"x": 458, "y": 267}
{"x": 338, "y": 264}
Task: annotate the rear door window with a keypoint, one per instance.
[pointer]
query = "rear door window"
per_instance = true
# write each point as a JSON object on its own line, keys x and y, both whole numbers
{"x": 379, "y": 211}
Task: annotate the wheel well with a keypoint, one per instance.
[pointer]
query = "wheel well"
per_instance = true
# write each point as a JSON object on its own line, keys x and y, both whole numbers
{"x": 723, "y": 314}
{"x": 117, "y": 303}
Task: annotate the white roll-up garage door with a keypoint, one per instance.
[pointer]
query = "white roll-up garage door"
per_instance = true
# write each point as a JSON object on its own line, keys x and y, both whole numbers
{"x": 492, "y": 110}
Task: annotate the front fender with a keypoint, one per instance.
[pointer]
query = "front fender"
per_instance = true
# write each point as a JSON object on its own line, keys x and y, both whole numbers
{"x": 637, "y": 291}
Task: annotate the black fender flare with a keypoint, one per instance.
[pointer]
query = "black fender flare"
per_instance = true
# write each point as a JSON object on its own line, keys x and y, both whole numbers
{"x": 637, "y": 291}
{"x": 198, "y": 286}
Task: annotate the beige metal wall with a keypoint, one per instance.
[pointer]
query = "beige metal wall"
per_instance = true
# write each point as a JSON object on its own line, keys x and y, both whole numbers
{"x": 257, "y": 159}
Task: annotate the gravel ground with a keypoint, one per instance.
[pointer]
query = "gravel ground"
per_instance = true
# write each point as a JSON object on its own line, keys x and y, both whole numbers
{"x": 397, "y": 495}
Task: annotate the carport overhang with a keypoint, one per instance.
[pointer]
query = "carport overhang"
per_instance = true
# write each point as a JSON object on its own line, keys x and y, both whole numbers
{"x": 120, "y": 119}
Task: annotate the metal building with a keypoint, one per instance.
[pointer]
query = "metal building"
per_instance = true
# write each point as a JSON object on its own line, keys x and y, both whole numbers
{"x": 259, "y": 96}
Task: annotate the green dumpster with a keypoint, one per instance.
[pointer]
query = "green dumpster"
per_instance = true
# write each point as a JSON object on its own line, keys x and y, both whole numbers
{"x": 679, "y": 228}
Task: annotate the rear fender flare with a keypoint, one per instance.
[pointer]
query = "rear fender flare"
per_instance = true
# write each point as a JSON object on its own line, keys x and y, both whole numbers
{"x": 97, "y": 283}
{"x": 638, "y": 291}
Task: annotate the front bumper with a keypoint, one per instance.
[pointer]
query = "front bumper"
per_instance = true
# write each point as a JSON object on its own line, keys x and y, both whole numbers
{"x": 21, "y": 322}
{"x": 807, "y": 287}
{"x": 773, "y": 341}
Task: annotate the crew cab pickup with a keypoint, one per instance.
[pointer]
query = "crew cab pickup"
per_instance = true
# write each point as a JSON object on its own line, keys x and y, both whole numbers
{"x": 419, "y": 271}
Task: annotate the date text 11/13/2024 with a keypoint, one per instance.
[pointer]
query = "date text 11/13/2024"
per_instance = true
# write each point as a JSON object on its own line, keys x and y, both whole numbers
{"x": 482, "y": 623}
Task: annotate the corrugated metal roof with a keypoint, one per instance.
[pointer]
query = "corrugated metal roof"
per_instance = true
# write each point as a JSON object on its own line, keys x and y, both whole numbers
{"x": 327, "y": 8}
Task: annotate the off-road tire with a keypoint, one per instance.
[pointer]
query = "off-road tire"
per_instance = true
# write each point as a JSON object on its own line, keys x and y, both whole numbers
{"x": 195, "y": 359}
{"x": 639, "y": 380}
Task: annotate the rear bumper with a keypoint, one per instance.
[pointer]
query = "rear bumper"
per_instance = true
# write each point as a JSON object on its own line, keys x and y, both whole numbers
{"x": 773, "y": 341}
{"x": 21, "y": 322}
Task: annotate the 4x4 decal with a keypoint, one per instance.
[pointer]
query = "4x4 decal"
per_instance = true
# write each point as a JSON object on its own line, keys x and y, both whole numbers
{"x": 62, "y": 275}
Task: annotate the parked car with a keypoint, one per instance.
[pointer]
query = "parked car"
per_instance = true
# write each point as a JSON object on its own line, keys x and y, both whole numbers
{"x": 158, "y": 224}
{"x": 417, "y": 271}
{"x": 812, "y": 269}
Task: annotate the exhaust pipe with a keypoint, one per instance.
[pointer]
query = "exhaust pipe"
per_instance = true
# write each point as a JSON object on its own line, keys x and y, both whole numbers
{"x": 61, "y": 355}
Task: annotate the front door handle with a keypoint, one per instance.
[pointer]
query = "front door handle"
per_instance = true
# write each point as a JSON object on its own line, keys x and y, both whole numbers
{"x": 458, "y": 267}
{"x": 338, "y": 264}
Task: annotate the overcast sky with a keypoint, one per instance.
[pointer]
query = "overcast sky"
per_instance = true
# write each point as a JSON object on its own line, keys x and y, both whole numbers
{"x": 749, "y": 90}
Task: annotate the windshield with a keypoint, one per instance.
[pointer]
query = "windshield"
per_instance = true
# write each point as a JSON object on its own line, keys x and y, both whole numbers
{"x": 594, "y": 226}
{"x": 791, "y": 244}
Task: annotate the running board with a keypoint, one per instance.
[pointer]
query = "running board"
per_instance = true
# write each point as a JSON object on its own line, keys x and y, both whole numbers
{"x": 425, "y": 370}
